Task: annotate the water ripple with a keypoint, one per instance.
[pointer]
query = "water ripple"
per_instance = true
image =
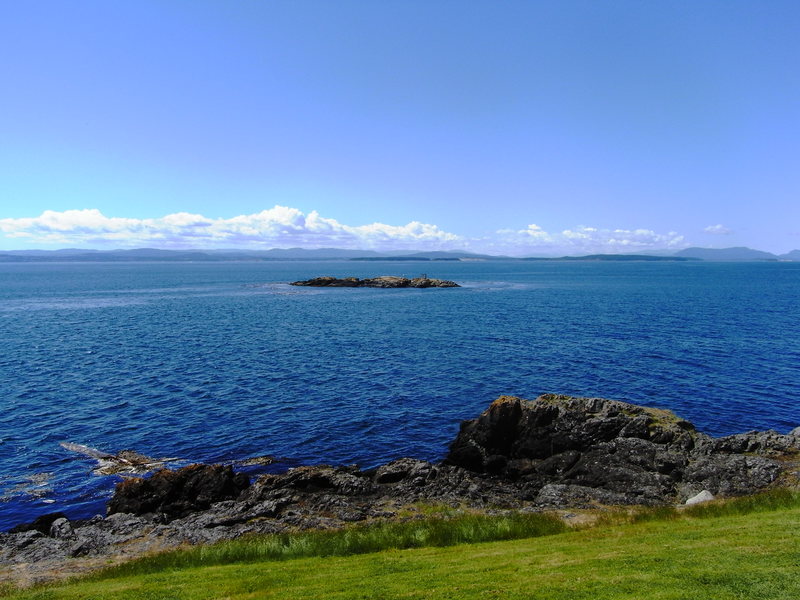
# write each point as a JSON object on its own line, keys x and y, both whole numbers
{"x": 220, "y": 362}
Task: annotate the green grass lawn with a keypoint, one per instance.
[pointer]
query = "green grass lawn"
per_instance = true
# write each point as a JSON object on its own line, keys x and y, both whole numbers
{"x": 743, "y": 556}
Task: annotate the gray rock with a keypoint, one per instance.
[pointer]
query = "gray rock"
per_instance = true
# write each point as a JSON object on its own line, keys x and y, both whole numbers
{"x": 25, "y": 539}
{"x": 178, "y": 493}
{"x": 123, "y": 524}
{"x": 62, "y": 529}
{"x": 348, "y": 481}
{"x": 704, "y": 496}
{"x": 83, "y": 547}
{"x": 558, "y": 495}
{"x": 401, "y": 469}
{"x": 732, "y": 475}
{"x": 765, "y": 443}
{"x": 41, "y": 524}
{"x": 124, "y": 461}
{"x": 644, "y": 455}
{"x": 553, "y": 424}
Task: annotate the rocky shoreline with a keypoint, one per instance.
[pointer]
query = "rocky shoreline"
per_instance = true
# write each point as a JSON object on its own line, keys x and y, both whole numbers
{"x": 556, "y": 452}
{"x": 386, "y": 281}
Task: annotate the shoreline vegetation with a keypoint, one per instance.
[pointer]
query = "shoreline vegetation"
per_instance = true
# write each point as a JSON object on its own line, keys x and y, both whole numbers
{"x": 734, "y": 548}
{"x": 431, "y": 525}
{"x": 521, "y": 468}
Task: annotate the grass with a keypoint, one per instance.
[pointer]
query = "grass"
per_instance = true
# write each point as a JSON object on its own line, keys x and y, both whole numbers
{"x": 358, "y": 539}
{"x": 776, "y": 499}
{"x": 741, "y": 549}
{"x": 769, "y": 500}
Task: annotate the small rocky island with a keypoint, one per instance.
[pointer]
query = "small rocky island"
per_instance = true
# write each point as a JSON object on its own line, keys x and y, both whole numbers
{"x": 555, "y": 452}
{"x": 386, "y": 281}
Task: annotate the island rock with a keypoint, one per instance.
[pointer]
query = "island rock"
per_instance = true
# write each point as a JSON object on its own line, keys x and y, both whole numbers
{"x": 386, "y": 281}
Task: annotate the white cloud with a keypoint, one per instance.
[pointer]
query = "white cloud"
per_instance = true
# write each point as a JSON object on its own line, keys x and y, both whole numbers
{"x": 533, "y": 235}
{"x": 535, "y": 232}
{"x": 283, "y": 226}
{"x": 279, "y": 226}
{"x": 588, "y": 240}
{"x": 718, "y": 230}
{"x": 622, "y": 239}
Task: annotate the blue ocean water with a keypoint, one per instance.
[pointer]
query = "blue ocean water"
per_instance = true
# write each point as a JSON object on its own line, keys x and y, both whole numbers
{"x": 214, "y": 362}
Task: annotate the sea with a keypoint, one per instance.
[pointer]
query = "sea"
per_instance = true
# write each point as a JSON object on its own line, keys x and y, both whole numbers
{"x": 221, "y": 362}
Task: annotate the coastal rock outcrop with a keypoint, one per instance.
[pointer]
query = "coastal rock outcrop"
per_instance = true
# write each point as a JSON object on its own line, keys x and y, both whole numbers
{"x": 178, "y": 493}
{"x": 386, "y": 281}
{"x": 641, "y": 455}
{"x": 41, "y": 524}
{"x": 124, "y": 461}
{"x": 552, "y": 452}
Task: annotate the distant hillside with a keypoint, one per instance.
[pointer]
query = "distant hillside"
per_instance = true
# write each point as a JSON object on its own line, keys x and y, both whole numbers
{"x": 153, "y": 254}
{"x": 793, "y": 255}
{"x": 620, "y": 258}
{"x": 403, "y": 259}
{"x": 312, "y": 253}
{"x": 441, "y": 254}
{"x": 737, "y": 253}
{"x": 136, "y": 255}
{"x": 201, "y": 255}
{"x": 432, "y": 255}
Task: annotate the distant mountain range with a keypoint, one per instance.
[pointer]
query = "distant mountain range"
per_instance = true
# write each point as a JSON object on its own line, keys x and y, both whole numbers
{"x": 619, "y": 258}
{"x": 793, "y": 255}
{"x": 738, "y": 253}
{"x": 153, "y": 254}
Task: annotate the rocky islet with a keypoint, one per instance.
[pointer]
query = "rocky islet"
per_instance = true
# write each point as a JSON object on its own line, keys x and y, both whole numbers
{"x": 385, "y": 281}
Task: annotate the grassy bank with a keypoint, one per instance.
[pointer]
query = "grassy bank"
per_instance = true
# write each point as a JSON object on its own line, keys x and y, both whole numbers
{"x": 746, "y": 548}
{"x": 359, "y": 539}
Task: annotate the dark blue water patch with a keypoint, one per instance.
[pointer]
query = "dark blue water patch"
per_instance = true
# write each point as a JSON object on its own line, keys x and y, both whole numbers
{"x": 219, "y": 362}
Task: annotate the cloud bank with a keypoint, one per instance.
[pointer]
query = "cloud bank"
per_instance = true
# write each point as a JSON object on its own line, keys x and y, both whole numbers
{"x": 589, "y": 240}
{"x": 282, "y": 227}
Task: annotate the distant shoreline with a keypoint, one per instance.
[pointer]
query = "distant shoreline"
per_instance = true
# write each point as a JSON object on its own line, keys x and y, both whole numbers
{"x": 210, "y": 258}
{"x": 328, "y": 254}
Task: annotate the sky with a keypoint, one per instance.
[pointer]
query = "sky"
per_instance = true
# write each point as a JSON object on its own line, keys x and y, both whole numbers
{"x": 522, "y": 128}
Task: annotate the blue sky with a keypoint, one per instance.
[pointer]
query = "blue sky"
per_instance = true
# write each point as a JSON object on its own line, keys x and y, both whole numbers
{"x": 517, "y": 127}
